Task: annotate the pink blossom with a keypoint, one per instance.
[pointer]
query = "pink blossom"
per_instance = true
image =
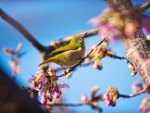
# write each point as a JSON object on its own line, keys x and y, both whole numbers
{"x": 145, "y": 105}
{"x": 95, "y": 21}
{"x": 84, "y": 99}
{"x": 146, "y": 25}
{"x": 43, "y": 80}
{"x": 41, "y": 89}
{"x": 44, "y": 100}
{"x": 40, "y": 72}
{"x": 49, "y": 96}
{"x": 110, "y": 31}
{"x": 130, "y": 28}
{"x": 46, "y": 84}
{"x": 8, "y": 51}
{"x": 97, "y": 65}
{"x": 137, "y": 87}
{"x": 100, "y": 19}
{"x": 15, "y": 55}
{"x": 107, "y": 100}
{"x": 57, "y": 94}
{"x": 111, "y": 96}
{"x": 14, "y": 65}
{"x": 107, "y": 28}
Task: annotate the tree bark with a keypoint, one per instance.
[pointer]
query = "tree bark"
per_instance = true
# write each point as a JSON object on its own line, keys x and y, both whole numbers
{"x": 137, "y": 47}
{"x": 14, "y": 100}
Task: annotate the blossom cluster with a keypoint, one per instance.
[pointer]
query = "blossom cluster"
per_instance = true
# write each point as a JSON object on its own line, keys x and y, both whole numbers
{"x": 114, "y": 25}
{"x": 46, "y": 84}
{"x": 15, "y": 55}
{"x": 137, "y": 87}
{"x": 93, "y": 100}
{"x": 111, "y": 96}
{"x": 99, "y": 52}
{"x": 145, "y": 105}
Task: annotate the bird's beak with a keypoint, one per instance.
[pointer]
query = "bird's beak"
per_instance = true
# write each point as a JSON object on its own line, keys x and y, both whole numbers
{"x": 85, "y": 34}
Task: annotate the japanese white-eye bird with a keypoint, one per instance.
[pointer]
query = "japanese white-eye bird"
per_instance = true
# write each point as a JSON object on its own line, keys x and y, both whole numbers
{"x": 68, "y": 55}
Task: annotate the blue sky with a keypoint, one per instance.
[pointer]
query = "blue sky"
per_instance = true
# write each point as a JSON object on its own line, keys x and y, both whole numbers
{"x": 49, "y": 20}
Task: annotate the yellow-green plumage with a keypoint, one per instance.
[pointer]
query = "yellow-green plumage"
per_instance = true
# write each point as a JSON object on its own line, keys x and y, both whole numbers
{"x": 68, "y": 55}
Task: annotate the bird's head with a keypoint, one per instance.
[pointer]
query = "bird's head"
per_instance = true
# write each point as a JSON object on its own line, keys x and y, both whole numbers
{"x": 78, "y": 40}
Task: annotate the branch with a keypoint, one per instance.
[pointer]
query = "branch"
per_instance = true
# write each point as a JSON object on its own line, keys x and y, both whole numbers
{"x": 66, "y": 40}
{"x": 82, "y": 60}
{"x": 35, "y": 43}
{"x": 22, "y": 30}
{"x": 33, "y": 93}
{"x": 33, "y": 40}
{"x": 61, "y": 41}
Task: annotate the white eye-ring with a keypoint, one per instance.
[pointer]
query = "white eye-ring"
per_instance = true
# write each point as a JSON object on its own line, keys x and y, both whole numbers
{"x": 80, "y": 40}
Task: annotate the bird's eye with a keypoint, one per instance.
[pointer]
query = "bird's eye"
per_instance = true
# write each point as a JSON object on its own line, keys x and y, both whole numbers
{"x": 80, "y": 40}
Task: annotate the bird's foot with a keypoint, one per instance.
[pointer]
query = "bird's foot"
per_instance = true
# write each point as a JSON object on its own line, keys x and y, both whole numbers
{"x": 64, "y": 70}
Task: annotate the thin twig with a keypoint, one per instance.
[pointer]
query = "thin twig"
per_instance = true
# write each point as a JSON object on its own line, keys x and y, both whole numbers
{"x": 74, "y": 105}
{"x": 134, "y": 94}
{"x": 82, "y": 60}
{"x": 116, "y": 57}
{"x": 143, "y": 7}
{"x": 22, "y": 30}
{"x": 96, "y": 46}
{"x": 66, "y": 105}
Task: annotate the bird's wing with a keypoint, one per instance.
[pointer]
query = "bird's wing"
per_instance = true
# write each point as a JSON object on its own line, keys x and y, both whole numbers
{"x": 61, "y": 50}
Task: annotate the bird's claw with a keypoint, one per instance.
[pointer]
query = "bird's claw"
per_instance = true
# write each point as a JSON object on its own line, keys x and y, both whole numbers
{"x": 64, "y": 70}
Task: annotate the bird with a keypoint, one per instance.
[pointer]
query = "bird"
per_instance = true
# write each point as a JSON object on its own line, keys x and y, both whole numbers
{"x": 68, "y": 55}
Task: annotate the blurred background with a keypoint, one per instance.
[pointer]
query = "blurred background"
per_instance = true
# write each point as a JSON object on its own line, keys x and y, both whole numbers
{"x": 49, "y": 20}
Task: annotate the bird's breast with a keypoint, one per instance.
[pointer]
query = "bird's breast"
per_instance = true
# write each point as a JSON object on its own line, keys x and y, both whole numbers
{"x": 74, "y": 54}
{"x": 72, "y": 57}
